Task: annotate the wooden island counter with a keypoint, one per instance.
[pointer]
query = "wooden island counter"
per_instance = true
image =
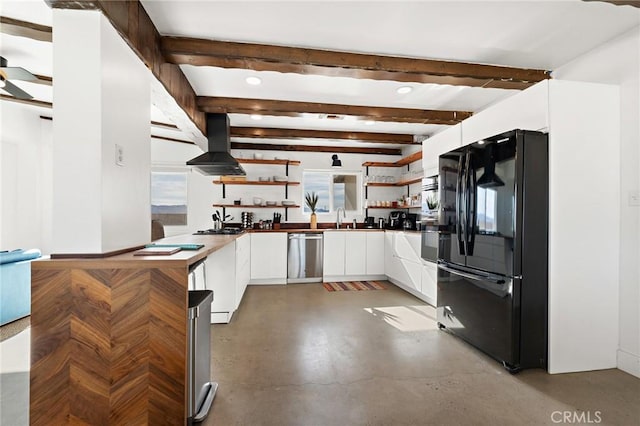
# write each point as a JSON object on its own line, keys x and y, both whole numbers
{"x": 109, "y": 337}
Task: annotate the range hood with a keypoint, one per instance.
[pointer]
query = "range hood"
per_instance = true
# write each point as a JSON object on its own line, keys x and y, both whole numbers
{"x": 217, "y": 161}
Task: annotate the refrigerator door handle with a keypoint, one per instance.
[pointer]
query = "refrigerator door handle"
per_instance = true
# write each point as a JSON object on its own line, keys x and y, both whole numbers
{"x": 470, "y": 276}
{"x": 460, "y": 225}
{"x": 471, "y": 206}
{"x": 465, "y": 202}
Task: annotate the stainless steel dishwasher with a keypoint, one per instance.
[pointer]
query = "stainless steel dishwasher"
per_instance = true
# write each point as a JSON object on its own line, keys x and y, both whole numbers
{"x": 304, "y": 259}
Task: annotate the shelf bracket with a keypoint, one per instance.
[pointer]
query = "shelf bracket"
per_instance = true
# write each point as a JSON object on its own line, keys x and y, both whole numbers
{"x": 224, "y": 191}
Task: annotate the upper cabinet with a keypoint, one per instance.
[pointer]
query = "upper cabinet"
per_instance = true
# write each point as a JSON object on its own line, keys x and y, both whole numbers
{"x": 528, "y": 110}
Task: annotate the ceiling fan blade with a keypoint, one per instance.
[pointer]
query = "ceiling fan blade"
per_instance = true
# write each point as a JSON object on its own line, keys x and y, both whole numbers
{"x": 17, "y": 73}
{"x": 16, "y": 91}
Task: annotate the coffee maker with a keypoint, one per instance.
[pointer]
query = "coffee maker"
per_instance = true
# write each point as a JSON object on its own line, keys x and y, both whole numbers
{"x": 369, "y": 222}
{"x": 410, "y": 222}
{"x": 396, "y": 219}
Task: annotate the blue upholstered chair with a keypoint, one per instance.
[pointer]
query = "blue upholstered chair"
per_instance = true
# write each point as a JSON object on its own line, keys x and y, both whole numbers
{"x": 15, "y": 284}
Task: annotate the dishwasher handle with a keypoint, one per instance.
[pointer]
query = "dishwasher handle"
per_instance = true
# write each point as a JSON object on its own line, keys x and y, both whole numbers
{"x": 304, "y": 237}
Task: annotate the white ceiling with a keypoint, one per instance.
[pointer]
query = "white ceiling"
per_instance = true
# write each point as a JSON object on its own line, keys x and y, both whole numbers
{"x": 538, "y": 34}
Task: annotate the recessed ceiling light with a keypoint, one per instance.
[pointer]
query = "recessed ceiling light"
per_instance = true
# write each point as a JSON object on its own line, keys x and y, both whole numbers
{"x": 254, "y": 81}
{"x": 480, "y": 142}
{"x": 256, "y": 116}
{"x": 404, "y": 89}
{"x": 369, "y": 122}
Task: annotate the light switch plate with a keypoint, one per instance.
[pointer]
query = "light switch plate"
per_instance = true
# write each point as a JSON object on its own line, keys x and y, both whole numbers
{"x": 119, "y": 155}
{"x": 634, "y": 198}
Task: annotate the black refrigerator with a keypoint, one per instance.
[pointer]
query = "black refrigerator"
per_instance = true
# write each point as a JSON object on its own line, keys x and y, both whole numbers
{"x": 492, "y": 248}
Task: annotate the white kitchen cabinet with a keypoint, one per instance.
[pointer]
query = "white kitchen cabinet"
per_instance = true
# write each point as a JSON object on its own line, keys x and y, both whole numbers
{"x": 268, "y": 258}
{"x": 407, "y": 246}
{"x": 243, "y": 266}
{"x": 355, "y": 253}
{"x": 375, "y": 253}
{"x": 410, "y": 274}
{"x": 403, "y": 264}
{"x": 429, "y": 282}
{"x": 528, "y": 110}
{"x": 441, "y": 143}
{"x": 392, "y": 266}
{"x": 221, "y": 279}
{"x": 333, "y": 253}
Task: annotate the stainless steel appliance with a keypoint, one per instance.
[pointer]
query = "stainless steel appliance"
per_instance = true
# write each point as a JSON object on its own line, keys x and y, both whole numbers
{"x": 430, "y": 206}
{"x": 200, "y": 389}
{"x": 396, "y": 219}
{"x": 492, "y": 252}
{"x": 410, "y": 221}
{"x": 304, "y": 258}
{"x": 429, "y": 246}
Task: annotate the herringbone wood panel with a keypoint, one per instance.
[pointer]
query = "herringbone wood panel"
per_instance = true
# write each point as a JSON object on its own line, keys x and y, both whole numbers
{"x": 109, "y": 346}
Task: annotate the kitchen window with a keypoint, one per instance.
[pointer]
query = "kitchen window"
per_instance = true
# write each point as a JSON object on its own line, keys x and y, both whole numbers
{"x": 169, "y": 197}
{"x": 335, "y": 189}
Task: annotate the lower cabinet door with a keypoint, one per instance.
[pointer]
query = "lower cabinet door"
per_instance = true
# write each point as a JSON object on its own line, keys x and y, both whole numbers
{"x": 429, "y": 281}
{"x": 375, "y": 253}
{"x": 355, "y": 253}
{"x": 410, "y": 274}
{"x": 333, "y": 254}
{"x": 222, "y": 279}
{"x": 269, "y": 256}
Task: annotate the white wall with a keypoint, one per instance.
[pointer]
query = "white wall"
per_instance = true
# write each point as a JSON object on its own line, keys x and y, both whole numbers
{"x": 618, "y": 62}
{"x": 584, "y": 196}
{"x": 100, "y": 101}
{"x": 25, "y": 178}
{"x": 202, "y": 193}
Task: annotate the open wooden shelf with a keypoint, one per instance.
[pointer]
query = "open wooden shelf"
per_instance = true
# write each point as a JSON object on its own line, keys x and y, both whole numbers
{"x": 253, "y": 206}
{"x": 394, "y": 208}
{"x": 253, "y": 182}
{"x": 401, "y": 162}
{"x": 400, "y": 183}
{"x": 255, "y": 161}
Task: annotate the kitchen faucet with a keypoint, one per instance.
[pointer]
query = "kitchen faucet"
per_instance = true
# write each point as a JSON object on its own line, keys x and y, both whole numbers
{"x": 344, "y": 216}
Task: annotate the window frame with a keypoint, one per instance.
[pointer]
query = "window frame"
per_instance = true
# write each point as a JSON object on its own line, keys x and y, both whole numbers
{"x": 331, "y": 173}
{"x": 176, "y": 170}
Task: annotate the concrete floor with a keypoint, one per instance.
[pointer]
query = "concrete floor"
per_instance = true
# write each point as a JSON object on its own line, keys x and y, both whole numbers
{"x": 300, "y": 355}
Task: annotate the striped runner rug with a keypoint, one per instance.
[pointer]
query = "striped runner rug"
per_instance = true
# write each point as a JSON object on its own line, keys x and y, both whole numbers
{"x": 353, "y": 286}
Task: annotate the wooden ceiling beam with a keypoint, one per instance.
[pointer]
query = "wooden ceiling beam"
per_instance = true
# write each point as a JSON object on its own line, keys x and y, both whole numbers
{"x": 296, "y": 109}
{"x": 262, "y": 57}
{"x": 32, "y": 102}
{"x": 16, "y": 27}
{"x": 133, "y": 23}
{"x": 272, "y": 133}
{"x": 634, "y": 3}
{"x": 315, "y": 148}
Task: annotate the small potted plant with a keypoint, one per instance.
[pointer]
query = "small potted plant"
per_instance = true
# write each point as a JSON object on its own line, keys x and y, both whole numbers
{"x": 311, "y": 200}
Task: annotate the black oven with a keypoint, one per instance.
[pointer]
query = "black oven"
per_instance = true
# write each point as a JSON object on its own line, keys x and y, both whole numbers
{"x": 430, "y": 237}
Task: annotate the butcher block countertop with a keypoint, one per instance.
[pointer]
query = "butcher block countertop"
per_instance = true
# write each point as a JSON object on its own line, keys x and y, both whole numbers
{"x": 184, "y": 258}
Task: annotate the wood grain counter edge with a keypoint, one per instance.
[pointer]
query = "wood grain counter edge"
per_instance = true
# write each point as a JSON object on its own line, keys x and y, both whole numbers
{"x": 183, "y": 258}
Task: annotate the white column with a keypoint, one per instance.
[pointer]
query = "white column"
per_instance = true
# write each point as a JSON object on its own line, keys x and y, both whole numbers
{"x": 101, "y": 103}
